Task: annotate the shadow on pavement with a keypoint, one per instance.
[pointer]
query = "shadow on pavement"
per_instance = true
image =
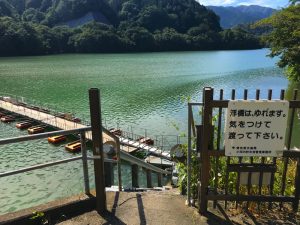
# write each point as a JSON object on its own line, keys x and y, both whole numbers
{"x": 141, "y": 209}
{"x": 110, "y": 217}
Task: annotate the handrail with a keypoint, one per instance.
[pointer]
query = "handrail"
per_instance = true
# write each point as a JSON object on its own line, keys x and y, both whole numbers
{"x": 39, "y": 166}
{"x": 82, "y": 130}
{"x": 47, "y": 164}
{"x": 122, "y": 155}
{"x": 42, "y": 135}
{"x": 141, "y": 163}
{"x": 42, "y": 114}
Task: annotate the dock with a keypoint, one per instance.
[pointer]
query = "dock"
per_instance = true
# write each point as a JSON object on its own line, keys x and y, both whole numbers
{"x": 64, "y": 124}
{"x": 128, "y": 149}
{"x": 46, "y": 118}
{"x": 150, "y": 149}
{"x": 158, "y": 161}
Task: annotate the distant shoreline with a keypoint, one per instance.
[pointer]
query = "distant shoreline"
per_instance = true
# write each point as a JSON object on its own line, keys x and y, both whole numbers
{"x": 129, "y": 52}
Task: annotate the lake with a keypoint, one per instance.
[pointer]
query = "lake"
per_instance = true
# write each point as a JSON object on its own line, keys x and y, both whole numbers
{"x": 138, "y": 91}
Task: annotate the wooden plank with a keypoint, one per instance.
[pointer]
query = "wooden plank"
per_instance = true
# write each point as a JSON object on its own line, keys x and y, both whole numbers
{"x": 128, "y": 149}
{"x": 254, "y": 198}
{"x": 257, "y": 167}
{"x": 158, "y": 161}
{"x": 145, "y": 147}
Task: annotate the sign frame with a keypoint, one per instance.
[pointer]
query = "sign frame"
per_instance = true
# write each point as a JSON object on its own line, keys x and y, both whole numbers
{"x": 256, "y": 127}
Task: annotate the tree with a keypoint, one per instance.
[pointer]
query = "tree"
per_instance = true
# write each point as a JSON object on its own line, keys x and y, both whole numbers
{"x": 7, "y": 9}
{"x": 141, "y": 38}
{"x": 96, "y": 37}
{"x": 31, "y": 27}
{"x": 284, "y": 40}
{"x": 18, "y": 38}
{"x": 129, "y": 10}
{"x": 153, "y": 18}
{"x": 239, "y": 39}
{"x": 33, "y": 15}
{"x": 293, "y": 2}
{"x": 170, "y": 40}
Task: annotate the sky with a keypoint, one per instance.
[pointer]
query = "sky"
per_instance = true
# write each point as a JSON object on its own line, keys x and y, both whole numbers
{"x": 276, "y": 4}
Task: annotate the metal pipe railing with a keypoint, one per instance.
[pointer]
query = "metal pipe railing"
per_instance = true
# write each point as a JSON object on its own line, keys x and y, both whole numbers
{"x": 47, "y": 164}
{"x": 43, "y": 135}
{"x": 84, "y": 156}
{"x": 141, "y": 163}
{"x": 39, "y": 166}
{"x": 41, "y": 114}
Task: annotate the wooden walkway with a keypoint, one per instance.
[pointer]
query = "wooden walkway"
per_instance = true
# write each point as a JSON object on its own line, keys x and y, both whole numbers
{"x": 64, "y": 124}
{"x": 48, "y": 119}
{"x": 150, "y": 149}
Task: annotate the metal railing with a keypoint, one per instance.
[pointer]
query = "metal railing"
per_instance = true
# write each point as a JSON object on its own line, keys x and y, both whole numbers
{"x": 163, "y": 142}
{"x": 83, "y": 157}
{"x": 96, "y": 131}
{"x": 122, "y": 155}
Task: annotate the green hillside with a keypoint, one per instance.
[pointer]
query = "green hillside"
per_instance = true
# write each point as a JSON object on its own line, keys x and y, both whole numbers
{"x": 114, "y": 26}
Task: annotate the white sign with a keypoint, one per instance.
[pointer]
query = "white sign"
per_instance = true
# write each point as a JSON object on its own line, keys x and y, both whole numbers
{"x": 255, "y": 128}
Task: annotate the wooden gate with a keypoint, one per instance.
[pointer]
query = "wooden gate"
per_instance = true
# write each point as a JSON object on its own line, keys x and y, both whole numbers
{"x": 244, "y": 179}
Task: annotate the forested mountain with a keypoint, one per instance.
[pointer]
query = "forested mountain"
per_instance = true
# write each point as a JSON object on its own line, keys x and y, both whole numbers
{"x": 231, "y": 16}
{"x": 178, "y": 14}
{"x": 57, "y": 26}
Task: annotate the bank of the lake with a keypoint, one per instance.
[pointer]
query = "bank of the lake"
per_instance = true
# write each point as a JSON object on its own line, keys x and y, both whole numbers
{"x": 146, "y": 90}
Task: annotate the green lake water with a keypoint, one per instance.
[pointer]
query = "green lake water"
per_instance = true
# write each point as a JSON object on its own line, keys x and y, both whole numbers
{"x": 138, "y": 91}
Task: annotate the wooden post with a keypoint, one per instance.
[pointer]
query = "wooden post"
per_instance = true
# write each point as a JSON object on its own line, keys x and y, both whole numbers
{"x": 95, "y": 111}
{"x": 204, "y": 157}
{"x": 189, "y": 157}
{"x": 135, "y": 175}
{"x": 149, "y": 179}
{"x": 84, "y": 163}
{"x": 297, "y": 188}
{"x": 119, "y": 167}
{"x": 159, "y": 179}
{"x": 198, "y": 149}
{"x": 108, "y": 171}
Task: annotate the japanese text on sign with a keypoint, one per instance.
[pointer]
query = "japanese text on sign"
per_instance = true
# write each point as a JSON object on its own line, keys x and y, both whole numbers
{"x": 255, "y": 128}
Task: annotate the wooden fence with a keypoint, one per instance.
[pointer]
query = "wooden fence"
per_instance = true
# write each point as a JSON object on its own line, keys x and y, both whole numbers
{"x": 244, "y": 179}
